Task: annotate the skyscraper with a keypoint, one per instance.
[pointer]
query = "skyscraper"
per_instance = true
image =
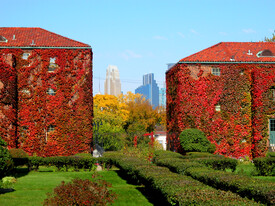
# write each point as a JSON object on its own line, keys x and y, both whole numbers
{"x": 112, "y": 83}
{"x": 149, "y": 89}
{"x": 162, "y": 97}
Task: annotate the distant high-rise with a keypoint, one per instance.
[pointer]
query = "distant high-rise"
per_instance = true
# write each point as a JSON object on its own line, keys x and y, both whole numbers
{"x": 149, "y": 89}
{"x": 162, "y": 97}
{"x": 112, "y": 83}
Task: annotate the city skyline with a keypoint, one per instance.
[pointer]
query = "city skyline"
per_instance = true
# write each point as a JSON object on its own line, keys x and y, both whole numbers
{"x": 149, "y": 89}
{"x": 165, "y": 32}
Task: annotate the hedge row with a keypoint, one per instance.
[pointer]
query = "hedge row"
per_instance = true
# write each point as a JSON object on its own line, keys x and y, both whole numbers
{"x": 214, "y": 161}
{"x": 252, "y": 188}
{"x": 75, "y": 162}
{"x": 176, "y": 189}
{"x": 265, "y": 165}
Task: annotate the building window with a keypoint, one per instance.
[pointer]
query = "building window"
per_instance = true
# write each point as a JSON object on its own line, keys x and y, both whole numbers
{"x": 51, "y": 128}
{"x": 216, "y": 71}
{"x": 25, "y": 56}
{"x": 272, "y": 93}
{"x": 51, "y": 92}
{"x": 52, "y": 65}
{"x": 217, "y": 108}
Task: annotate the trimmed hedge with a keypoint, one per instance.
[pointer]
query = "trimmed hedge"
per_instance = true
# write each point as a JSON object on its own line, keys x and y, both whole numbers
{"x": 196, "y": 168}
{"x": 175, "y": 188}
{"x": 220, "y": 164}
{"x": 75, "y": 162}
{"x": 214, "y": 161}
{"x": 252, "y": 188}
{"x": 265, "y": 165}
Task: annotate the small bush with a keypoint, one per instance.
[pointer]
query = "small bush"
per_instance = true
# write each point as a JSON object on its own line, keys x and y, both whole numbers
{"x": 194, "y": 140}
{"x": 6, "y": 163}
{"x": 8, "y": 182}
{"x": 18, "y": 153}
{"x": 81, "y": 192}
{"x": 265, "y": 165}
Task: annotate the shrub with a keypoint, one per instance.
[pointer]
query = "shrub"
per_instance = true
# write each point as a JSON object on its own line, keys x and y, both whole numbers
{"x": 6, "y": 163}
{"x": 19, "y": 157}
{"x": 8, "y": 182}
{"x": 265, "y": 165}
{"x": 260, "y": 190}
{"x": 220, "y": 164}
{"x": 194, "y": 140}
{"x": 81, "y": 192}
{"x": 176, "y": 189}
{"x": 18, "y": 153}
{"x": 35, "y": 162}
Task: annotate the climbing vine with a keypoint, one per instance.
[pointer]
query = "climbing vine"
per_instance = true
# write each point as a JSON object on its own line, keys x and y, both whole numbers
{"x": 232, "y": 109}
{"x": 57, "y": 122}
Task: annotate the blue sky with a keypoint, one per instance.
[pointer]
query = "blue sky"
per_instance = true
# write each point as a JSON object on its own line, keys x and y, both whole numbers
{"x": 142, "y": 36}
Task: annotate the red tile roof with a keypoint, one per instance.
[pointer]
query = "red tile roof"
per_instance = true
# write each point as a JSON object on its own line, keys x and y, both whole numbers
{"x": 34, "y": 37}
{"x": 235, "y": 52}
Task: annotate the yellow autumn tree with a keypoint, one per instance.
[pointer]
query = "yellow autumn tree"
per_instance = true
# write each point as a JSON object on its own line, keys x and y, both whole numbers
{"x": 142, "y": 117}
{"x": 110, "y": 116}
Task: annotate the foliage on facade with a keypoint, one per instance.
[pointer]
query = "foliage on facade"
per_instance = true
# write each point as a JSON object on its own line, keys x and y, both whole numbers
{"x": 231, "y": 109}
{"x": 46, "y": 104}
{"x": 57, "y": 123}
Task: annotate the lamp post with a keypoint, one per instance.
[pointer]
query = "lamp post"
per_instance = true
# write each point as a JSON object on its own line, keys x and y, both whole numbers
{"x": 96, "y": 126}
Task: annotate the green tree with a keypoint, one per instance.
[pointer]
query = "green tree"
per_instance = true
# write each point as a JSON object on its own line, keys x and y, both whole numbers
{"x": 272, "y": 39}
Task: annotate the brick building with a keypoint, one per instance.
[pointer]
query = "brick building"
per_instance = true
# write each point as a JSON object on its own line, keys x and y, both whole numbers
{"x": 45, "y": 92}
{"x": 227, "y": 91}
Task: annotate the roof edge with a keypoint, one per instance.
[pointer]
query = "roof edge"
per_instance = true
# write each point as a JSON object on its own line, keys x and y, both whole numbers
{"x": 232, "y": 62}
{"x": 41, "y": 47}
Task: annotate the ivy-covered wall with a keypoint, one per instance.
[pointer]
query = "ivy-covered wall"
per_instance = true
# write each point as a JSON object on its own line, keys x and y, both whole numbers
{"x": 194, "y": 97}
{"x": 50, "y": 111}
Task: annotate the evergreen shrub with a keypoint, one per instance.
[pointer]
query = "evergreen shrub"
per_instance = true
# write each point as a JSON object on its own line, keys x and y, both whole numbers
{"x": 6, "y": 162}
{"x": 194, "y": 140}
{"x": 19, "y": 156}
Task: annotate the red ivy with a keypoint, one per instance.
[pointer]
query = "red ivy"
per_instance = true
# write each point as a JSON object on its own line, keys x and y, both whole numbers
{"x": 69, "y": 111}
{"x": 241, "y": 128}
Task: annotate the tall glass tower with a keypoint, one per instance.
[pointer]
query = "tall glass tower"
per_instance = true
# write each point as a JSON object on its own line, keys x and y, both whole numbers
{"x": 149, "y": 90}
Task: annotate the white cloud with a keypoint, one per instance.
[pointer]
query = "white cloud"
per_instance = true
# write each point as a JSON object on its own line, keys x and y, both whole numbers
{"x": 194, "y": 31}
{"x": 249, "y": 31}
{"x": 181, "y": 34}
{"x": 159, "y": 38}
{"x": 129, "y": 54}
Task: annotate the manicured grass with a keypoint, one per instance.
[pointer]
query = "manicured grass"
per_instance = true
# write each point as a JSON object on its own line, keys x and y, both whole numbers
{"x": 31, "y": 189}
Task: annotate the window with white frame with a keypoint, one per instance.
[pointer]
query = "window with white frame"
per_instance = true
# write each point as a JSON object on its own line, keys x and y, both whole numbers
{"x": 51, "y": 91}
{"x": 25, "y": 56}
{"x": 52, "y": 65}
{"x": 217, "y": 108}
{"x": 216, "y": 71}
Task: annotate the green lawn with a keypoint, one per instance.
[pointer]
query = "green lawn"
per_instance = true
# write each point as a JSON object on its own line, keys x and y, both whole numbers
{"x": 31, "y": 188}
